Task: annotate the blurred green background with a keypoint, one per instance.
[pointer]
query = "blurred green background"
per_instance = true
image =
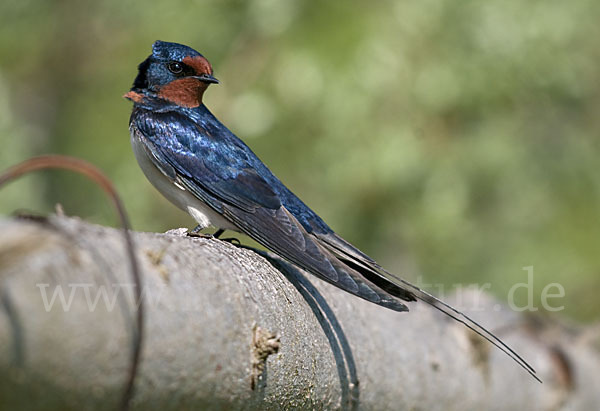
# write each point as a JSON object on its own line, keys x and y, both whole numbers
{"x": 455, "y": 142}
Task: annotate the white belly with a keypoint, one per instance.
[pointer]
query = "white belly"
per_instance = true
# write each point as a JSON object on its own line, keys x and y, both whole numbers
{"x": 178, "y": 195}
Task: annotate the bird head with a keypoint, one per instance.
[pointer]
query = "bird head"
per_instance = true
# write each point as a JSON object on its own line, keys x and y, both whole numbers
{"x": 174, "y": 72}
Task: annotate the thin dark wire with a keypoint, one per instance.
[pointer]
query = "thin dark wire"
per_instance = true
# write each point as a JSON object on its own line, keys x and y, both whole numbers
{"x": 93, "y": 173}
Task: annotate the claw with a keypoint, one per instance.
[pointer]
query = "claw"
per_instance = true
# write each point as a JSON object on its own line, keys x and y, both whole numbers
{"x": 197, "y": 232}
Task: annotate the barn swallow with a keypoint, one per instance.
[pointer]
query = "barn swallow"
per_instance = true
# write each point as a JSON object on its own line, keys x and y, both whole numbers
{"x": 203, "y": 168}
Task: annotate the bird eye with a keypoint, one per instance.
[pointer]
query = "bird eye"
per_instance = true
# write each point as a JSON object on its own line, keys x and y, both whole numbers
{"x": 175, "y": 67}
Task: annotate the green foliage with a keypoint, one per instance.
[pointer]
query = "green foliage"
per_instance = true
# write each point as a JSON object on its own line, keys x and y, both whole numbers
{"x": 457, "y": 141}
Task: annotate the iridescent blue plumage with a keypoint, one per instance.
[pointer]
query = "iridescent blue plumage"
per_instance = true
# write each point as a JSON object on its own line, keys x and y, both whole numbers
{"x": 201, "y": 146}
{"x": 200, "y": 165}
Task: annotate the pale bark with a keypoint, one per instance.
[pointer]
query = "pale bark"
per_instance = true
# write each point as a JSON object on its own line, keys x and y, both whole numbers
{"x": 216, "y": 314}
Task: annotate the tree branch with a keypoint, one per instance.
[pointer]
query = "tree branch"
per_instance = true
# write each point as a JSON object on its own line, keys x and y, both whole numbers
{"x": 227, "y": 328}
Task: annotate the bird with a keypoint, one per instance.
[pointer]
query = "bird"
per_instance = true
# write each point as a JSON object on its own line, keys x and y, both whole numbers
{"x": 203, "y": 168}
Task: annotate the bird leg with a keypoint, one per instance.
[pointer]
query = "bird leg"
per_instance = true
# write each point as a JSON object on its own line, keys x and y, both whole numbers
{"x": 197, "y": 232}
{"x": 231, "y": 240}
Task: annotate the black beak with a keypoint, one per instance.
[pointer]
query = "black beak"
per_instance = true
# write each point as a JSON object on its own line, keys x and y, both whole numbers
{"x": 207, "y": 78}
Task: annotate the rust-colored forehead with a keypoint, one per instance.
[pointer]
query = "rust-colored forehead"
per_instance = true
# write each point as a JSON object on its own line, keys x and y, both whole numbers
{"x": 198, "y": 63}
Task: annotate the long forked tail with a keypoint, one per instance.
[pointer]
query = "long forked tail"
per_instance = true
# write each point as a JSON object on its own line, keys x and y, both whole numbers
{"x": 403, "y": 290}
{"x": 461, "y": 318}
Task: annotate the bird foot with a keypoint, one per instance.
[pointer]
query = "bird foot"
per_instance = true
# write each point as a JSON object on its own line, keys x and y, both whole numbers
{"x": 197, "y": 232}
{"x": 184, "y": 232}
